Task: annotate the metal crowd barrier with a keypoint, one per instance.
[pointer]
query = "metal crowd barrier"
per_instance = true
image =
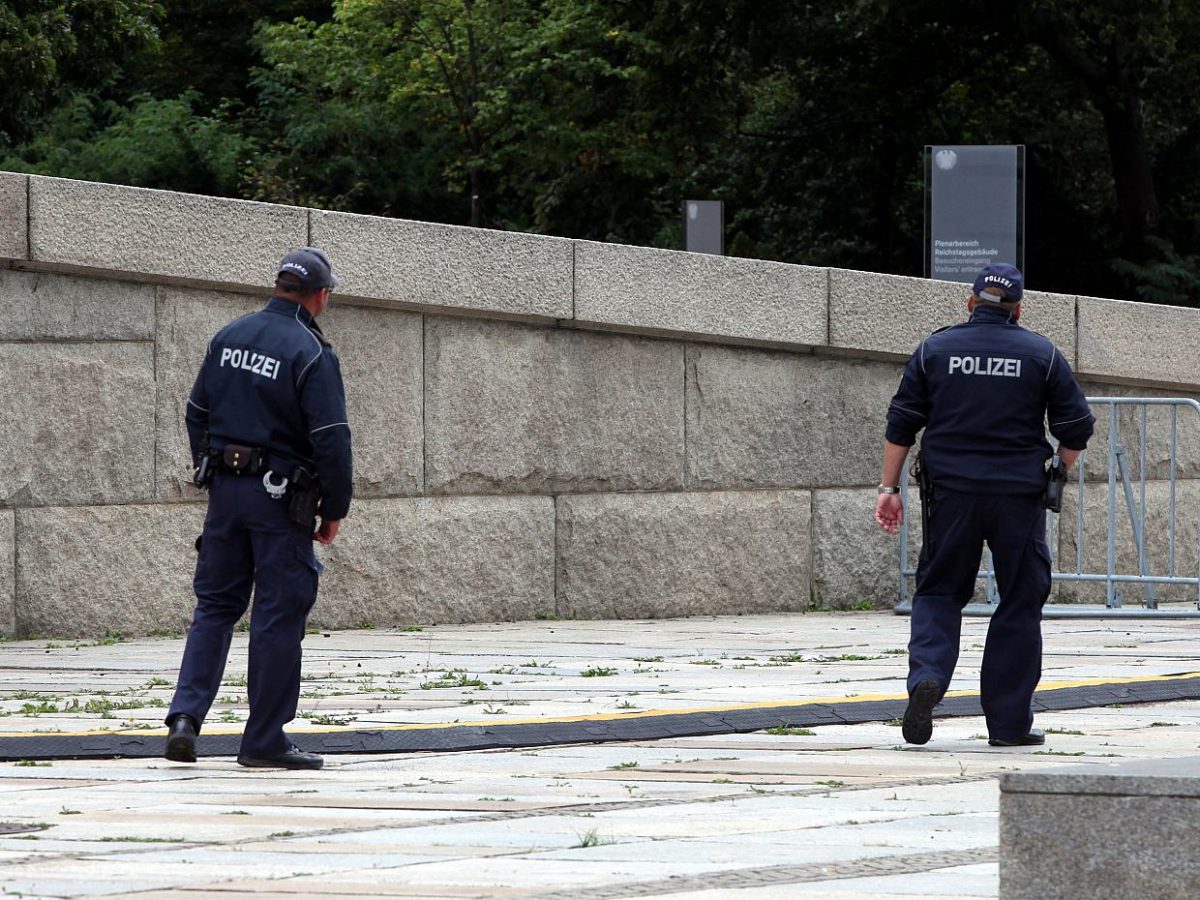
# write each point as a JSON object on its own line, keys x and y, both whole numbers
{"x": 1135, "y": 510}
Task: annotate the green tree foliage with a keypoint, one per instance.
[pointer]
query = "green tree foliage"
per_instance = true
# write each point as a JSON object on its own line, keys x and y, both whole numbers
{"x": 48, "y": 48}
{"x": 596, "y": 118}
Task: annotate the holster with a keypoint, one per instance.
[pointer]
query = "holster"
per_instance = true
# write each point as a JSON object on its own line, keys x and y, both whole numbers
{"x": 925, "y": 484}
{"x": 1056, "y": 480}
{"x": 304, "y": 497}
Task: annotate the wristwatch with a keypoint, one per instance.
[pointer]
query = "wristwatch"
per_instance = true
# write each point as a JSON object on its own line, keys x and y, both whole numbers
{"x": 889, "y": 489}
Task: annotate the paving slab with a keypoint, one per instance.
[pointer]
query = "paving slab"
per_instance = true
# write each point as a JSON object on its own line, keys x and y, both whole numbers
{"x": 832, "y": 810}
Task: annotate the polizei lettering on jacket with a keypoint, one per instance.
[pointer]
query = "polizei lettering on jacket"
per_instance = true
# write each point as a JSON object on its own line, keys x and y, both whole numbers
{"x": 986, "y": 365}
{"x": 251, "y": 362}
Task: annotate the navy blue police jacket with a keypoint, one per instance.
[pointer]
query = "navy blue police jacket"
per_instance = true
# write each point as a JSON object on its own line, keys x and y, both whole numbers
{"x": 984, "y": 391}
{"x": 270, "y": 379}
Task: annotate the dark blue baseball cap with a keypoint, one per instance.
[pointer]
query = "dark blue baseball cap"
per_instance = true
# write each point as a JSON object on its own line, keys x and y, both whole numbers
{"x": 1002, "y": 276}
{"x": 311, "y": 266}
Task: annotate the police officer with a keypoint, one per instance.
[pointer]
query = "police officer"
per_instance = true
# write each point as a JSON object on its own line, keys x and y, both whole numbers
{"x": 266, "y": 420}
{"x": 983, "y": 391}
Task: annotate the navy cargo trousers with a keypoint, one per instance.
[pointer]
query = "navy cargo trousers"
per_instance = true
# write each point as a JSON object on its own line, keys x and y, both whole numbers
{"x": 1014, "y": 527}
{"x": 249, "y": 542}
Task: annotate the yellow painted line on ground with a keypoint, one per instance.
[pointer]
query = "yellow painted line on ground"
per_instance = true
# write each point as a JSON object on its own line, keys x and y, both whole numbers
{"x": 612, "y": 717}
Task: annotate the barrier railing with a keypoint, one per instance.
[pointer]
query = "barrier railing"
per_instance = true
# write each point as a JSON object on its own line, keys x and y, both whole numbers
{"x": 1136, "y": 510}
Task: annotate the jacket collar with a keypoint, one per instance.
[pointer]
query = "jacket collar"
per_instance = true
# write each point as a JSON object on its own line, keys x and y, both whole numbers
{"x": 991, "y": 315}
{"x": 291, "y": 308}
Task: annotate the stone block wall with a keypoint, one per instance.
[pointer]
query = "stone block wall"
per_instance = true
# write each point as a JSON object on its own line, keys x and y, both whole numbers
{"x": 542, "y": 427}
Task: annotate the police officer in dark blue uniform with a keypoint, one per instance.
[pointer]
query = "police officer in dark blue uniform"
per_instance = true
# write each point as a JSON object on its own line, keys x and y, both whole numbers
{"x": 984, "y": 391}
{"x": 267, "y": 424}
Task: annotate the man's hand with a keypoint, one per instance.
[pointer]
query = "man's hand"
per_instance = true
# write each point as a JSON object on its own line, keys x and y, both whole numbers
{"x": 327, "y": 531}
{"x": 889, "y": 512}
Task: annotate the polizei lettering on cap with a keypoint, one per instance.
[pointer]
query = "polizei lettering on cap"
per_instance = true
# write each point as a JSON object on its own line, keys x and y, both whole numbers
{"x": 986, "y": 365}
{"x": 251, "y": 362}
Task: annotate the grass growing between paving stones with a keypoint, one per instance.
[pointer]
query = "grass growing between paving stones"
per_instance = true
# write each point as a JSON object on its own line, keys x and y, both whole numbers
{"x": 592, "y": 838}
{"x": 455, "y": 678}
{"x": 790, "y": 730}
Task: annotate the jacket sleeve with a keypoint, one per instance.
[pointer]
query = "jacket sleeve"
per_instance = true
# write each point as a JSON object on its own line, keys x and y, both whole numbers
{"x": 1067, "y": 411}
{"x": 323, "y": 402}
{"x": 909, "y": 410}
{"x": 196, "y": 416}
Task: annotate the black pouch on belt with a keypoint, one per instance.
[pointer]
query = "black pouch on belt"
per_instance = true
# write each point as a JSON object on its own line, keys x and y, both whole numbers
{"x": 304, "y": 495}
{"x": 243, "y": 460}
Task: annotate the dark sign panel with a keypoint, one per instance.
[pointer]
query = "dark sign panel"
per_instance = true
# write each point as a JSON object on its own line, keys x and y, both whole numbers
{"x": 974, "y": 209}
{"x": 704, "y": 224}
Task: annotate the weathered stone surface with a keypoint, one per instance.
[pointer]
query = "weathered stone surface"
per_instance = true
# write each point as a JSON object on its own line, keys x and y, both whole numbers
{"x": 447, "y": 266}
{"x": 78, "y": 421}
{"x": 124, "y": 230}
{"x": 758, "y": 418}
{"x": 894, "y": 313}
{"x": 651, "y": 555}
{"x": 1138, "y": 341}
{"x": 46, "y": 307}
{"x": 8, "y": 572}
{"x": 14, "y": 220}
{"x": 1101, "y": 835}
{"x": 380, "y": 353}
{"x": 85, "y": 571}
{"x": 187, "y": 321}
{"x": 889, "y": 313}
{"x": 514, "y": 408}
{"x": 381, "y": 356}
{"x": 854, "y": 562}
{"x": 1095, "y": 541}
{"x": 437, "y": 560}
{"x": 695, "y": 293}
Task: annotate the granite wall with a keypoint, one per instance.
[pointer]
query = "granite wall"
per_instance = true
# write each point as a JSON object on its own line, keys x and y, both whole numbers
{"x": 542, "y": 427}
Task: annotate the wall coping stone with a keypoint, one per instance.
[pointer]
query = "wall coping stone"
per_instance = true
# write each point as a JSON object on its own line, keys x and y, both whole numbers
{"x": 14, "y": 216}
{"x": 114, "y": 231}
{"x": 1127, "y": 778}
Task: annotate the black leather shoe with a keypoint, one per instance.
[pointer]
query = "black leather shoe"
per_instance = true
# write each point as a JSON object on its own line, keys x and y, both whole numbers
{"x": 181, "y": 740}
{"x": 1035, "y": 737}
{"x": 291, "y": 758}
{"x": 917, "y": 725}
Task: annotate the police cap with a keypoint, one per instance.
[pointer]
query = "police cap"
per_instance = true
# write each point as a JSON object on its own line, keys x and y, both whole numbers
{"x": 1003, "y": 277}
{"x": 311, "y": 266}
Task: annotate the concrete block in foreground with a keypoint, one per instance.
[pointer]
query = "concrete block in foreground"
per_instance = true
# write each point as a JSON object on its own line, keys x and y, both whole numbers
{"x": 448, "y": 266}
{"x": 85, "y": 571}
{"x": 625, "y": 556}
{"x": 1121, "y": 830}
{"x": 14, "y": 220}
{"x": 135, "y": 231}
{"x": 759, "y": 418}
{"x": 667, "y": 290}
{"x": 40, "y": 306}
{"x": 439, "y": 560}
{"x": 79, "y": 423}
{"x": 8, "y": 579}
{"x": 517, "y": 409}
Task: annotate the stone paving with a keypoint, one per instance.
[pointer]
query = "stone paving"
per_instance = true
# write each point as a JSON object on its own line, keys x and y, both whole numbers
{"x": 835, "y": 811}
